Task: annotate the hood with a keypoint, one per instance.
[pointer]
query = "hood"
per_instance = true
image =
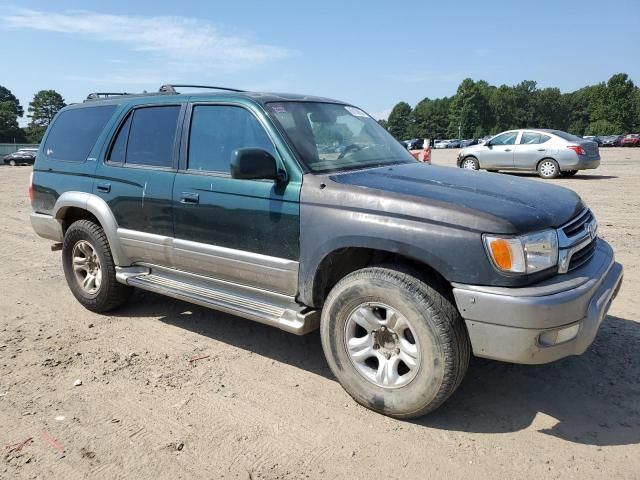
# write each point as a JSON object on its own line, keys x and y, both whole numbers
{"x": 518, "y": 205}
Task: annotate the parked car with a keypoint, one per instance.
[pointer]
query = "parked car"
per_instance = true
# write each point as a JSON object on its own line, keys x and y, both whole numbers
{"x": 611, "y": 141}
{"x": 468, "y": 143}
{"x": 441, "y": 144}
{"x": 593, "y": 138}
{"x": 223, "y": 199}
{"x": 24, "y": 156}
{"x": 631, "y": 140}
{"x": 549, "y": 152}
{"x": 455, "y": 143}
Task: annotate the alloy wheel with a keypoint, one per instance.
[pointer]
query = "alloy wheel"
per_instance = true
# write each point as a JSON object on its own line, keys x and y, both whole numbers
{"x": 86, "y": 267}
{"x": 382, "y": 345}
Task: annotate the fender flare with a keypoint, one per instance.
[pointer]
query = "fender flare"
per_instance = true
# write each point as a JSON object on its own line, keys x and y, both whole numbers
{"x": 99, "y": 209}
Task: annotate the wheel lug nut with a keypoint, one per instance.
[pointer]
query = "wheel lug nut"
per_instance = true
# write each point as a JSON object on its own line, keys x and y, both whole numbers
{"x": 397, "y": 351}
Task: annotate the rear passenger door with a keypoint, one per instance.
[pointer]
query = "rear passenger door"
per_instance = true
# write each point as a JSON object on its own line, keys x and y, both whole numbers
{"x": 244, "y": 231}
{"x": 530, "y": 150}
{"x": 136, "y": 180}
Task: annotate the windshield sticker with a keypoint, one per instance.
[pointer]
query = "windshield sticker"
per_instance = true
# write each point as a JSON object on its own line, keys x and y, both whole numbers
{"x": 278, "y": 108}
{"x": 356, "y": 112}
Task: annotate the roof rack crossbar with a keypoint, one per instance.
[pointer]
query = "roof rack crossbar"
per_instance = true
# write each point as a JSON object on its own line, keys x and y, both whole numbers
{"x": 171, "y": 88}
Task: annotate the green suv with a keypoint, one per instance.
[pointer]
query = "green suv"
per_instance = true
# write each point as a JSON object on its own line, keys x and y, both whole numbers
{"x": 303, "y": 213}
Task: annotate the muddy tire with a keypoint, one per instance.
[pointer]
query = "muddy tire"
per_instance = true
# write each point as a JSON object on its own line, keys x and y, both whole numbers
{"x": 89, "y": 268}
{"x": 395, "y": 343}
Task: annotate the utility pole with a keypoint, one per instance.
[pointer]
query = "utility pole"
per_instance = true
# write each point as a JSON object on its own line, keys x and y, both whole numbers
{"x": 459, "y": 130}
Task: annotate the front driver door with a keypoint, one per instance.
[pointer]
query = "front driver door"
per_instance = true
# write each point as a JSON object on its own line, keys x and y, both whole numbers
{"x": 243, "y": 231}
{"x": 499, "y": 151}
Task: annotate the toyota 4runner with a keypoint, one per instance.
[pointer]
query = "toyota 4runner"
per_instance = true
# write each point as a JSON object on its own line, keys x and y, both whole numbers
{"x": 303, "y": 213}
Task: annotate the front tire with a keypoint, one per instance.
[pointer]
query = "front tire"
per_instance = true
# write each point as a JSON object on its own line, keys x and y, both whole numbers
{"x": 12, "y": 163}
{"x": 470, "y": 163}
{"x": 548, "y": 168}
{"x": 396, "y": 344}
{"x": 89, "y": 268}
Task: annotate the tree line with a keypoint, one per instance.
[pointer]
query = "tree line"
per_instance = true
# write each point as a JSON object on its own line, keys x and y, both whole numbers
{"x": 478, "y": 109}
{"x": 41, "y": 110}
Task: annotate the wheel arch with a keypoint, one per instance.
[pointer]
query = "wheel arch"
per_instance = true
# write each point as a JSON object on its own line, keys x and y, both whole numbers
{"x": 469, "y": 155}
{"x": 339, "y": 262}
{"x": 72, "y": 206}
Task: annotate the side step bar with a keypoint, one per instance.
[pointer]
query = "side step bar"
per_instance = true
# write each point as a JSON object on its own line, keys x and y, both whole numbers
{"x": 270, "y": 308}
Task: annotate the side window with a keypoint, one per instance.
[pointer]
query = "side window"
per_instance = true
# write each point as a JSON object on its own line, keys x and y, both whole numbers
{"x": 151, "y": 138}
{"x": 75, "y": 132}
{"x": 119, "y": 148}
{"x": 532, "y": 138}
{"x": 508, "y": 138}
{"x": 218, "y": 130}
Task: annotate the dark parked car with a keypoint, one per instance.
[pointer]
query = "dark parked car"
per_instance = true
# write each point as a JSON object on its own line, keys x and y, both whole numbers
{"x": 21, "y": 157}
{"x": 225, "y": 200}
{"x": 468, "y": 143}
{"x": 611, "y": 141}
{"x": 594, "y": 139}
{"x": 631, "y": 140}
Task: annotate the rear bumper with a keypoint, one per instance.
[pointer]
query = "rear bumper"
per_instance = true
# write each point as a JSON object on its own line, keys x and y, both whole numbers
{"x": 581, "y": 164}
{"x": 507, "y": 323}
{"x": 47, "y": 226}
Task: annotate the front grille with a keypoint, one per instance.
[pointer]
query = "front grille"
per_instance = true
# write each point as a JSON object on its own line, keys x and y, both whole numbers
{"x": 581, "y": 257}
{"x": 577, "y": 241}
{"x": 577, "y": 226}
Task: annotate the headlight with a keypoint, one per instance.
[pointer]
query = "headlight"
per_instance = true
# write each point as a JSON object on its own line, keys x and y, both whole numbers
{"x": 524, "y": 254}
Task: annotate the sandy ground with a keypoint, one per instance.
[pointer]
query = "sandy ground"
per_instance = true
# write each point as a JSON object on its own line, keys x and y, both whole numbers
{"x": 263, "y": 404}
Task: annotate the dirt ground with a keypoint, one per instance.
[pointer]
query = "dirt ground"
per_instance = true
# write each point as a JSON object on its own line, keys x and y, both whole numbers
{"x": 263, "y": 403}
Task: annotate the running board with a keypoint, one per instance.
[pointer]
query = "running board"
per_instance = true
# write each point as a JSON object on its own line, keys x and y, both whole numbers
{"x": 270, "y": 308}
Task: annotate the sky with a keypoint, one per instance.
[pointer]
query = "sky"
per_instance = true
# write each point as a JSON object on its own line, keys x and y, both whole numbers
{"x": 369, "y": 53}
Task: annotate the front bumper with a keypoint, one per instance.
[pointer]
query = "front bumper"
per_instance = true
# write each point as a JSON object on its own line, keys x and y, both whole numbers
{"x": 507, "y": 323}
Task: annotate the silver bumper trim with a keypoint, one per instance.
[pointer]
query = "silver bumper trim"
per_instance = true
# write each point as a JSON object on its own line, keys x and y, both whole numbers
{"x": 506, "y": 326}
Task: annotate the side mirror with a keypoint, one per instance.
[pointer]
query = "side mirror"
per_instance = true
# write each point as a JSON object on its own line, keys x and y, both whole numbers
{"x": 488, "y": 143}
{"x": 254, "y": 164}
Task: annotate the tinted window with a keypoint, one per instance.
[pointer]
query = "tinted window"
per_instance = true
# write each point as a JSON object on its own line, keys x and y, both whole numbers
{"x": 119, "y": 149}
{"x": 151, "y": 136}
{"x": 216, "y": 131}
{"x": 566, "y": 136}
{"x": 508, "y": 138}
{"x": 74, "y": 132}
{"x": 532, "y": 138}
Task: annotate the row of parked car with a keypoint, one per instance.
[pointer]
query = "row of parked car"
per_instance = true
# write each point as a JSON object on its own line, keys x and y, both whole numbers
{"x": 630, "y": 140}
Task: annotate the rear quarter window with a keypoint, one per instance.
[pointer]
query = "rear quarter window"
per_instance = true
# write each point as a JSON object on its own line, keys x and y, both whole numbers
{"x": 74, "y": 132}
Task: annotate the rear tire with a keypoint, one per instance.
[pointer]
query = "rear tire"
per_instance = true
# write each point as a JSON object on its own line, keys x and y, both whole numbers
{"x": 89, "y": 268}
{"x": 470, "y": 163}
{"x": 376, "y": 318}
{"x": 548, "y": 168}
{"x": 568, "y": 173}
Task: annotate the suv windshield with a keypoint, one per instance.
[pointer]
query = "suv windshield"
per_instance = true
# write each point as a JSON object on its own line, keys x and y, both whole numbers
{"x": 329, "y": 136}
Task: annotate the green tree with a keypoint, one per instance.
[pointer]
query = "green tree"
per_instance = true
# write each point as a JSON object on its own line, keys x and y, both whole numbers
{"x": 602, "y": 127}
{"x": 45, "y": 105}
{"x": 432, "y": 118}
{"x": 7, "y": 96}
{"x": 469, "y": 110}
{"x": 401, "y": 122}
{"x": 9, "y": 130}
{"x": 615, "y": 103}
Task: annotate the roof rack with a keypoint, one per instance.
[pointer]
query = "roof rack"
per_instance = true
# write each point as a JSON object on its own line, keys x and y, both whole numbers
{"x": 171, "y": 88}
{"x": 99, "y": 95}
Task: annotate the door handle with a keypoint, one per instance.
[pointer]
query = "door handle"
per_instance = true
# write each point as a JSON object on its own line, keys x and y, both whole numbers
{"x": 190, "y": 198}
{"x": 542, "y": 149}
{"x": 104, "y": 187}
{"x": 507, "y": 149}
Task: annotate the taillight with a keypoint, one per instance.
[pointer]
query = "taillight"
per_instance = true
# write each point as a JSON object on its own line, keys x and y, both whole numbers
{"x": 31, "y": 187}
{"x": 576, "y": 148}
